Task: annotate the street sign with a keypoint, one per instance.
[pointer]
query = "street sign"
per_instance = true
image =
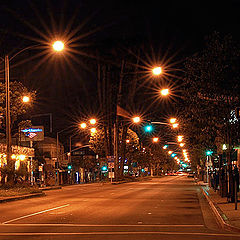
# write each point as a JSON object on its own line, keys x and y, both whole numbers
{"x": 34, "y": 133}
{"x": 110, "y": 164}
{"x": 110, "y": 174}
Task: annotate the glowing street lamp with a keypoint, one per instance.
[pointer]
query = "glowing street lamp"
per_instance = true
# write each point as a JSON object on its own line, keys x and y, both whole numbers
{"x": 175, "y": 125}
{"x": 58, "y": 46}
{"x": 93, "y": 121}
{"x": 93, "y": 130}
{"x": 136, "y": 119}
{"x": 155, "y": 139}
{"x": 157, "y": 71}
{"x": 172, "y": 120}
{"x": 83, "y": 125}
{"x": 26, "y": 99}
{"x": 180, "y": 138}
{"x": 164, "y": 92}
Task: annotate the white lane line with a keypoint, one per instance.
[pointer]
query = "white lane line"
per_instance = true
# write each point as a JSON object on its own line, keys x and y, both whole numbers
{"x": 101, "y": 225}
{"x": 33, "y": 214}
{"x": 121, "y": 233}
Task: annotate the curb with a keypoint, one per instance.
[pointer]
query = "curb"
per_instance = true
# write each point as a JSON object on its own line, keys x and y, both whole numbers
{"x": 220, "y": 216}
{"x": 50, "y": 188}
{"x": 10, "y": 199}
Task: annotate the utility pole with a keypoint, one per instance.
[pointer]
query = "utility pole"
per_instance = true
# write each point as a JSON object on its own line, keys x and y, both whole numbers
{"x": 8, "y": 119}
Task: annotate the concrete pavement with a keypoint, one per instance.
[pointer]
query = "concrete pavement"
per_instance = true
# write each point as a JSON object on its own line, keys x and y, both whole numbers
{"x": 172, "y": 207}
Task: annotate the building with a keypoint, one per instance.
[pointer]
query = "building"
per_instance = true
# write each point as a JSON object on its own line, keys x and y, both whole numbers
{"x": 21, "y": 156}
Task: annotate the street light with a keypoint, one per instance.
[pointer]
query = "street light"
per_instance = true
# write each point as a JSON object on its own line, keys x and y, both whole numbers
{"x": 25, "y": 99}
{"x": 83, "y": 125}
{"x": 164, "y": 92}
{"x": 136, "y": 119}
{"x": 172, "y": 120}
{"x": 157, "y": 71}
{"x": 155, "y": 139}
{"x": 58, "y": 46}
{"x": 93, "y": 121}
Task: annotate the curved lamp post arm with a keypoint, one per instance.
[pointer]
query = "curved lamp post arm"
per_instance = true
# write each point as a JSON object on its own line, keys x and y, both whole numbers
{"x": 24, "y": 49}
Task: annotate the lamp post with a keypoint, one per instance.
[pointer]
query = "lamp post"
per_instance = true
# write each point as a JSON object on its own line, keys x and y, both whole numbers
{"x": 59, "y": 47}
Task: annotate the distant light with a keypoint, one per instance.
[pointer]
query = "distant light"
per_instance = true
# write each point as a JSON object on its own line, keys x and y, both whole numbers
{"x": 157, "y": 71}
{"x": 173, "y": 120}
{"x": 25, "y": 99}
{"x": 58, "y": 46}
{"x": 164, "y": 92}
{"x": 127, "y": 141}
{"x": 104, "y": 168}
{"x": 170, "y": 152}
{"x": 182, "y": 144}
{"x": 165, "y": 146}
{"x": 155, "y": 139}
{"x": 180, "y": 138}
{"x": 83, "y": 125}
{"x": 136, "y": 119}
{"x": 148, "y": 128}
{"x": 209, "y": 153}
{"x": 93, "y": 130}
{"x": 21, "y": 157}
{"x": 93, "y": 121}
{"x": 175, "y": 125}
{"x": 173, "y": 154}
{"x": 224, "y": 147}
{"x": 13, "y": 156}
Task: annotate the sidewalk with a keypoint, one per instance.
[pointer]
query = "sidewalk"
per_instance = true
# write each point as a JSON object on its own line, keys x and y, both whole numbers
{"x": 227, "y": 216}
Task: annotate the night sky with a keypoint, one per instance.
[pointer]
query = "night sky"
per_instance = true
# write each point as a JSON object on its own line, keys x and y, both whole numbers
{"x": 67, "y": 86}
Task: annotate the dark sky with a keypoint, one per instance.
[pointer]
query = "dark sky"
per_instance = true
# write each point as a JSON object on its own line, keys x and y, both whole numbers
{"x": 68, "y": 89}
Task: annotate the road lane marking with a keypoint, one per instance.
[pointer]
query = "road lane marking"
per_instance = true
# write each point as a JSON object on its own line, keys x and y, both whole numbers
{"x": 33, "y": 214}
{"x": 121, "y": 233}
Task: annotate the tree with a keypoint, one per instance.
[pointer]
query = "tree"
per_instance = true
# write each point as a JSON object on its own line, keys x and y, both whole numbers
{"x": 211, "y": 93}
{"x": 17, "y": 107}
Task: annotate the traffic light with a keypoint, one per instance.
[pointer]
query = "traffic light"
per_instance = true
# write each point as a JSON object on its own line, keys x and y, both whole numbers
{"x": 104, "y": 168}
{"x": 148, "y": 128}
{"x": 70, "y": 166}
{"x": 209, "y": 152}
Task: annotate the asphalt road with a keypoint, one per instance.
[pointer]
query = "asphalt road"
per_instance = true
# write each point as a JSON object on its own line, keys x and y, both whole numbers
{"x": 171, "y": 207}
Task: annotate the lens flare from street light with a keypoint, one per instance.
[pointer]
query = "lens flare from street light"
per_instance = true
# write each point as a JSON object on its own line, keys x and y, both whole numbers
{"x": 155, "y": 139}
{"x": 157, "y": 71}
{"x": 164, "y": 92}
{"x": 83, "y": 125}
{"x": 58, "y": 46}
{"x": 136, "y": 119}
{"x": 93, "y": 121}
{"x": 25, "y": 99}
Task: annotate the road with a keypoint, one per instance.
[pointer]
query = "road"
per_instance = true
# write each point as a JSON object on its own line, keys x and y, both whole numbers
{"x": 171, "y": 207}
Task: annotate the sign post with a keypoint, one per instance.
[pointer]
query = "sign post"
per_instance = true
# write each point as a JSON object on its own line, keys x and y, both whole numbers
{"x": 111, "y": 166}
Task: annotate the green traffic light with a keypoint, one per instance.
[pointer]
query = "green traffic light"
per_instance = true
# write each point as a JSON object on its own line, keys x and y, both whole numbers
{"x": 209, "y": 153}
{"x": 148, "y": 128}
